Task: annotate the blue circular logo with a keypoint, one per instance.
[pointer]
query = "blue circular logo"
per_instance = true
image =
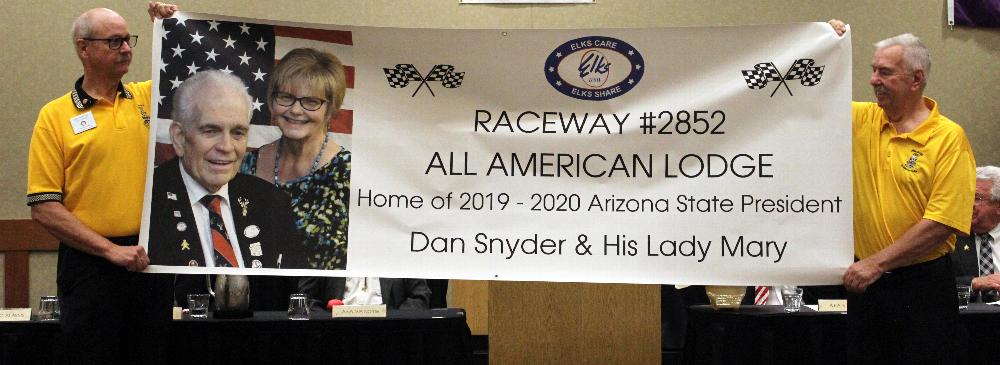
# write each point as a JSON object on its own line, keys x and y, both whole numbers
{"x": 594, "y": 68}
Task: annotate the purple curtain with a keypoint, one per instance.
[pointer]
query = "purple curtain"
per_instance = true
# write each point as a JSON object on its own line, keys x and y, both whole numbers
{"x": 977, "y": 13}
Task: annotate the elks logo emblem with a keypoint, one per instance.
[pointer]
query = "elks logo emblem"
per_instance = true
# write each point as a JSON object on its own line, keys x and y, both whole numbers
{"x": 802, "y": 70}
{"x": 911, "y": 164}
{"x": 401, "y": 76}
{"x": 594, "y": 68}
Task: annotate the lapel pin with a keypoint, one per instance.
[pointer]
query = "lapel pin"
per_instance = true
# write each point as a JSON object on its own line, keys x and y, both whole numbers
{"x": 256, "y": 264}
{"x": 966, "y": 247}
{"x": 192, "y": 263}
{"x": 171, "y": 196}
{"x": 185, "y": 245}
{"x": 181, "y": 226}
{"x": 177, "y": 214}
{"x": 244, "y": 203}
{"x": 255, "y": 249}
{"x": 251, "y": 231}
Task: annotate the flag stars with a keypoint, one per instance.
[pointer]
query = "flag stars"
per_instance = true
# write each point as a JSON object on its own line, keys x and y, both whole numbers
{"x": 159, "y": 99}
{"x": 175, "y": 83}
{"x": 256, "y": 104}
{"x": 192, "y": 69}
{"x": 558, "y": 54}
{"x": 227, "y": 70}
{"x": 258, "y": 75}
{"x": 244, "y": 59}
{"x": 631, "y": 52}
{"x": 552, "y": 69}
{"x": 230, "y": 42}
{"x": 210, "y": 55}
{"x": 261, "y": 43}
{"x": 163, "y": 66}
{"x": 178, "y": 51}
{"x": 165, "y": 32}
{"x": 196, "y": 38}
{"x": 213, "y": 25}
{"x": 180, "y": 19}
{"x": 638, "y": 67}
{"x": 244, "y": 28}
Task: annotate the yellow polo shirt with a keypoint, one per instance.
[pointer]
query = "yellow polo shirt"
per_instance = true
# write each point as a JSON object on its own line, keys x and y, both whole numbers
{"x": 90, "y": 154}
{"x": 900, "y": 178}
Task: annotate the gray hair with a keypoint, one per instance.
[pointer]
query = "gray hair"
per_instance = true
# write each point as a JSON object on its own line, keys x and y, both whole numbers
{"x": 916, "y": 56}
{"x": 991, "y": 173}
{"x": 196, "y": 89}
{"x": 83, "y": 26}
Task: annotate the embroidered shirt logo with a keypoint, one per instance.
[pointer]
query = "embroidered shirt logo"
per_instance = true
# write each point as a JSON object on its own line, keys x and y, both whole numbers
{"x": 145, "y": 117}
{"x": 911, "y": 164}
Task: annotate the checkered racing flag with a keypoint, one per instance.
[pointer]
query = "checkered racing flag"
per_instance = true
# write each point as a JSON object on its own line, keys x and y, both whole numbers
{"x": 804, "y": 71}
{"x": 453, "y": 80}
{"x": 761, "y": 74}
{"x": 401, "y": 76}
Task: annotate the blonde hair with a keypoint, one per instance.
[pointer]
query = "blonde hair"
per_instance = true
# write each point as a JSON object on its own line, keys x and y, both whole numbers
{"x": 320, "y": 71}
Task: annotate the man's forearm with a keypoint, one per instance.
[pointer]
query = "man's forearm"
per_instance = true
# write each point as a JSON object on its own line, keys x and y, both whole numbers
{"x": 62, "y": 224}
{"x": 922, "y": 238}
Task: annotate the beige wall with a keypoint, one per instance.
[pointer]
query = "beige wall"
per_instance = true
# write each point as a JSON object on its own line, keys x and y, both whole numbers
{"x": 38, "y": 63}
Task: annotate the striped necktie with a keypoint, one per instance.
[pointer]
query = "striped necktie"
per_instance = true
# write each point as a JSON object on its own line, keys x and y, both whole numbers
{"x": 760, "y": 294}
{"x": 224, "y": 255}
{"x": 985, "y": 254}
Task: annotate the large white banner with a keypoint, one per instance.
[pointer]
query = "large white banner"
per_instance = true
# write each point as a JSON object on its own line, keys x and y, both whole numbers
{"x": 715, "y": 155}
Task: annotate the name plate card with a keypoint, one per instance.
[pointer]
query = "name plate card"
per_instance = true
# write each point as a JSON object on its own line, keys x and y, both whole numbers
{"x": 15, "y": 314}
{"x": 358, "y": 311}
{"x": 833, "y": 305}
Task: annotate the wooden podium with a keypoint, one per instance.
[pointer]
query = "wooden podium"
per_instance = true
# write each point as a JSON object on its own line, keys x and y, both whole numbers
{"x": 574, "y": 323}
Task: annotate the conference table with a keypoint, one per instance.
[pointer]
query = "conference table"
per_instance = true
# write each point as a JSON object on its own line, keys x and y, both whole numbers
{"x": 438, "y": 336}
{"x": 768, "y": 335}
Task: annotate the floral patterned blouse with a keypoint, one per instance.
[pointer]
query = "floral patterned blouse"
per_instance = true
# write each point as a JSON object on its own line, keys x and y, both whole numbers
{"x": 319, "y": 203}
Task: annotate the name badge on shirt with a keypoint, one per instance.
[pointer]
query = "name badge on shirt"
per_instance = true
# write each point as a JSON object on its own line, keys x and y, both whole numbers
{"x": 83, "y": 122}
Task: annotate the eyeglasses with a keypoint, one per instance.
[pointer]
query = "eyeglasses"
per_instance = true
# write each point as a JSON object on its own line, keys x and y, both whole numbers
{"x": 116, "y": 42}
{"x": 307, "y": 102}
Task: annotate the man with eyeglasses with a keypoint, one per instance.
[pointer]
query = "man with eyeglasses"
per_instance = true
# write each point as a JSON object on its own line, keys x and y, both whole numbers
{"x": 977, "y": 257}
{"x": 86, "y": 175}
{"x": 914, "y": 183}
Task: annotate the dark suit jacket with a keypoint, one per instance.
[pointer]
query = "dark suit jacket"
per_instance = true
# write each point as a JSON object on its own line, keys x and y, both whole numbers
{"x": 396, "y": 293}
{"x": 965, "y": 261}
{"x": 264, "y": 221}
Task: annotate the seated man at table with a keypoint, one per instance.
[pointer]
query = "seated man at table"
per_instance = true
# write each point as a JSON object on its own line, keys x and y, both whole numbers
{"x": 976, "y": 256}
{"x": 402, "y": 294}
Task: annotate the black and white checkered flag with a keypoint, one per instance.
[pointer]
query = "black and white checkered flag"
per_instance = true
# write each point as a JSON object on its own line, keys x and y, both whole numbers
{"x": 812, "y": 77}
{"x": 453, "y": 80}
{"x": 761, "y": 74}
{"x": 401, "y": 76}
{"x": 439, "y": 72}
{"x": 804, "y": 71}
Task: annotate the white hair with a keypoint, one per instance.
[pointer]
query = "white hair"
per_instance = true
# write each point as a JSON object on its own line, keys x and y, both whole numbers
{"x": 915, "y": 54}
{"x": 191, "y": 93}
{"x": 991, "y": 173}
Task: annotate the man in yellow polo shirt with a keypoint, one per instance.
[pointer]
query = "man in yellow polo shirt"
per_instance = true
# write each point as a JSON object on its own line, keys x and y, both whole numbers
{"x": 86, "y": 174}
{"x": 914, "y": 184}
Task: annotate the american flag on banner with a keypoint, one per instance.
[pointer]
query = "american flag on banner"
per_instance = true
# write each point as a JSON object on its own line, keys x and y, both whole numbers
{"x": 247, "y": 50}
